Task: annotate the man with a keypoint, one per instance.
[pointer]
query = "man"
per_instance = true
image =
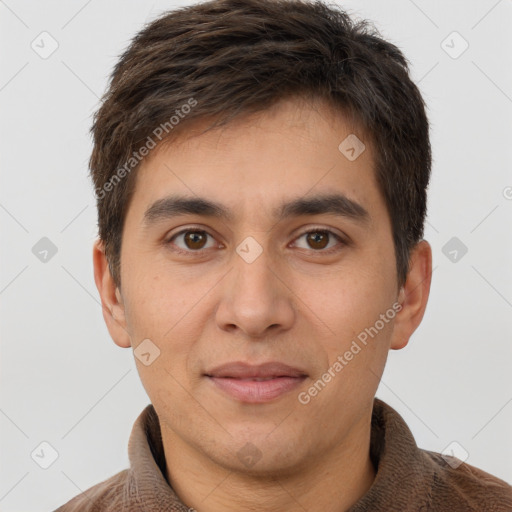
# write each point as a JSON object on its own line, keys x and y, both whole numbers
{"x": 261, "y": 171}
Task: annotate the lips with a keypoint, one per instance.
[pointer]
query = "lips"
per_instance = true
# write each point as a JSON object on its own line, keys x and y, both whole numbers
{"x": 239, "y": 370}
{"x": 256, "y": 384}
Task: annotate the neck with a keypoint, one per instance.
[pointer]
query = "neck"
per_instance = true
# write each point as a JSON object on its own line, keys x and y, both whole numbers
{"x": 331, "y": 481}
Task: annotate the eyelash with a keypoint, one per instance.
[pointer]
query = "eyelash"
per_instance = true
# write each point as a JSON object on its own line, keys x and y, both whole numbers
{"x": 201, "y": 252}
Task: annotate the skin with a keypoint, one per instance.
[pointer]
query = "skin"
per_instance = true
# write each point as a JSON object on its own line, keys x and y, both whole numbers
{"x": 293, "y": 304}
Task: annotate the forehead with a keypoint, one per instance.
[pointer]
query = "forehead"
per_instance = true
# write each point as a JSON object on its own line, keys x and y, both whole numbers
{"x": 296, "y": 149}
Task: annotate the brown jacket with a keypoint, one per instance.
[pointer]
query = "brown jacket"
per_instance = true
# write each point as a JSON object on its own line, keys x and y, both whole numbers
{"x": 407, "y": 479}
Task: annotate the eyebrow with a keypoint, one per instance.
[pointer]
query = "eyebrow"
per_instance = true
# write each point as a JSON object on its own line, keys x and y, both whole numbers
{"x": 175, "y": 205}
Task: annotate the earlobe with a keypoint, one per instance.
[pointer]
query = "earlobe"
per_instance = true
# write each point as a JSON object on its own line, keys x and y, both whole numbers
{"x": 111, "y": 298}
{"x": 413, "y": 296}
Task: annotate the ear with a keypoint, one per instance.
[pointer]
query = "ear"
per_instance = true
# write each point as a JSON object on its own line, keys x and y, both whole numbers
{"x": 413, "y": 295}
{"x": 111, "y": 298}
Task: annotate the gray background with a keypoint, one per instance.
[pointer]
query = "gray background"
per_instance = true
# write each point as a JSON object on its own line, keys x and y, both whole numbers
{"x": 65, "y": 382}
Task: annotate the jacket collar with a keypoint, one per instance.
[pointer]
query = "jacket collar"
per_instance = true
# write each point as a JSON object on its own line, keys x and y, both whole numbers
{"x": 404, "y": 474}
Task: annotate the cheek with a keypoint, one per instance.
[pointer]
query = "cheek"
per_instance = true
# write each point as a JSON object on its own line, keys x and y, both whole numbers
{"x": 352, "y": 300}
{"x": 155, "y": 301}
{"x": 171, "y": 311}
{"x": 351, "y": 304}
{"x": 358, "y": 350}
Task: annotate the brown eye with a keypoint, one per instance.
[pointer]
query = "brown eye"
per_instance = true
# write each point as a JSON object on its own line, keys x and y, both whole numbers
{"x": 194, "y": 239}
{"x": 317, "y": 239}
{"x": 190, "y": 241}
{"x": 321, "y": 241}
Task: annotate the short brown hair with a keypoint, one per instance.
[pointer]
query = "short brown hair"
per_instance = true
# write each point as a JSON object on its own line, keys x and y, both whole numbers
{"x": 225, "y": 58}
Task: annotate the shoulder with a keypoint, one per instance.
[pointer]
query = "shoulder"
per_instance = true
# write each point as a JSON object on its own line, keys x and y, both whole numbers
{"x": 107, "y": 496}
{"x": 470, "y": 488}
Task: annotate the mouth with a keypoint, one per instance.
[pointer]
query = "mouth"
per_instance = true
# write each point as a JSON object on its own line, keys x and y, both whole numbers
{"x": 256, "y": 384}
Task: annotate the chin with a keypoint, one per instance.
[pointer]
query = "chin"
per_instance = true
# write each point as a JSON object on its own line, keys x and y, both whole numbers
{"x": 263, "y": 451}
{"x": 266, "y": 462}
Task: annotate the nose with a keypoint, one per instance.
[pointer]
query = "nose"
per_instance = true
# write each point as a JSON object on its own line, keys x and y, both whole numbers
{"x": 255, "y": 299}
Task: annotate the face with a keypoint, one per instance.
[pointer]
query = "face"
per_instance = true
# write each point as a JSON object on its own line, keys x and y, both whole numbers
{"x": 253, "y": 310}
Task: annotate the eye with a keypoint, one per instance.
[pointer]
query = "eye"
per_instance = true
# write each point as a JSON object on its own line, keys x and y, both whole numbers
{"x": 190, "y": 241}
{"x": 193, "y": 240}
{"x": 319, "y": 240}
